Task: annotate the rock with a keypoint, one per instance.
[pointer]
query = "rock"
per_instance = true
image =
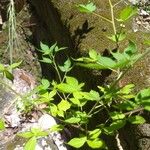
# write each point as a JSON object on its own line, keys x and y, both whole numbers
{"x": 46, "y": 122}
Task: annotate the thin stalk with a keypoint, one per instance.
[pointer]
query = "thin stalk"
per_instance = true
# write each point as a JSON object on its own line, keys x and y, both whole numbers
{"x": 117, "y": 3}
{"x": 134, "y": 111}
{"x": 95, "y": 105}
{"x": 104, "y": 18}
{"x": 56, "y": 68}
{"x": 13, "y": 38}
{"x": 112, "y": 17}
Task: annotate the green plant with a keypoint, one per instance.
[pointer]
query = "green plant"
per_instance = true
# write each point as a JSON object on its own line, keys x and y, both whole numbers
{"x": 73, "y": 99}
{"x": 119, "y": 102}
{"x": 13, "y": 41}
{"x": 32, "y": 135}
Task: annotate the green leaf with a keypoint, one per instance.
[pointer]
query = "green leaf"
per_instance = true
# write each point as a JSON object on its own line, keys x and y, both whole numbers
{"x": 66, "y": 67}
{"x": 88, "y": 8}
{"x": 27, "y": 134}
{"x": 97, "y": 143}
{"x": 127, "y": 89}
{"x": 70, "y": 86}
{"x": 2, "y": 68}
{"x": 46, "y": 60}
{"x": 52, "y": 48}
{"x": 106, "y": 62}
{"x": 60, "y": 113}
{"x": 77, "y": 142}
{"x": 64, "y": 105}
{"x": 94, "y": 134}
{"x": 9, "y": 75}
{"x": 131, "y": 49}
{"x": 127, "y": 13}
{"x": 136, "y": 119}
{"x": 37, "y": 132}
{"x": 2, "y": 124}
{"x": 44, "y": 47}
{"x": 92, "y": 95}
{"x": 93, "y": 54}
{"x": 57, "y": 49}
{"x": 147, "y": 42}
{"x": 128, "y": 105}
{"x": 73, "y": 120}
{"x": 30, "y": 145}
{"x": 117, "y": 115}
{"x": 75, "y": 101}
{"x": 15, "y": 65}
{"x": 57, "y": 128}
{"x": 118, "y": 37}
{"x": 143, "y": 98}
{"x": 45, "y": 83}
{"x": 143, "y": 95}
{"x": 72, "y": 81}
{"x": 52, "y": 94}
{"x": 53, "y": 110}
{"x": 116, "y": 125}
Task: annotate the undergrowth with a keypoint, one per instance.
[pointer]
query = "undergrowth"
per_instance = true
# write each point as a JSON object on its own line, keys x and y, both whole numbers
{"x": 119, "y": 102}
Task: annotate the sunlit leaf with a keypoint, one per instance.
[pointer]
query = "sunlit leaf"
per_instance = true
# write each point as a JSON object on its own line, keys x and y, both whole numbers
{"x": 136, "y": 119}
{"x": 88, "y": 8}
{"x": 93, "y": 54}
{"x": 2, "y": 124}
{"x": 106, "y": 62}
{"x": 118, "y": 37}
{"x": 44, "y": 47}
{"x": 57, "y": 49}
{"x": 2, "y": 68}
{"x": 45, "y": 83}
{"x": 77, "y": 142}
{"x": 73, "y": 120}
{"x": 56, "y": 127}
{"x": 30, "y": 145}
{"x": 94, "y": 134}
{"x": 127, "y": 13}
{"x": 27, "y": 134}
{"x": 64, "y": 105}
{"x": 97, "y": 143}
{"x": 66, "y": 67}
{"x": 70, "y": 86}
{"x": 15, "y": 65}
{"x": 38, "y": 132}
{"x": 46, "y": 60}
{"x": 92, "y": 95}
{"x": 116, "y": 125}
{"x": 117, "y": 115}
{"x": 127, "y": 89}
{"x": 53, "y": 109}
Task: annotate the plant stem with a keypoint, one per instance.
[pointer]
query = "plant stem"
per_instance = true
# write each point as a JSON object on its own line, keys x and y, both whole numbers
{"x": 100, "y": 16}
{"x": 112, "y": 17}
{"x": 134, "y": 111}
{"x": 56, "y": 68}
{"x": 95, "y": 105}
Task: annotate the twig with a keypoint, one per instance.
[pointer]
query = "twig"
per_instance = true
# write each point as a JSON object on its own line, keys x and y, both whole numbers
{"x": 118, "y": 142}
{"x": 134, "y": 111}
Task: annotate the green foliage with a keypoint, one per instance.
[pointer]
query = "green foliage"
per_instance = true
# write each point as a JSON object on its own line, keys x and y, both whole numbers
{"x": 77, "y": 142}
{"x": 119, "y": 60}
{"x": 67, "y": 100}
{"x": 127, "y": 13}
{"x": 32, "y": 135}
{"x": 88, "y": 8}
{"x": 2, "y": 124}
